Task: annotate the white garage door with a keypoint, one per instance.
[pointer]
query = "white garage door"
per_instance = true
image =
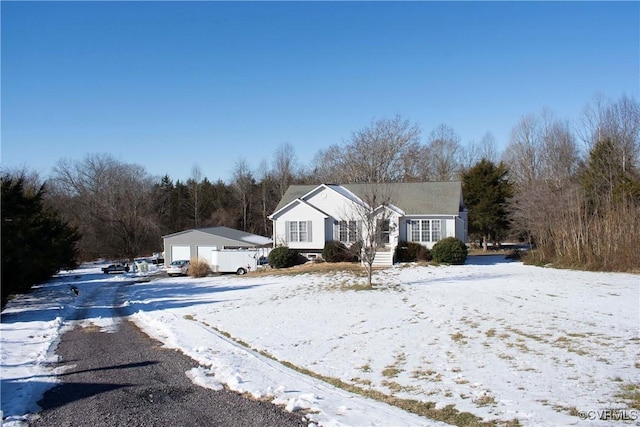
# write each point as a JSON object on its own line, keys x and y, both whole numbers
{"x": 180, "y": 252}
{"x": 204, "y": 252}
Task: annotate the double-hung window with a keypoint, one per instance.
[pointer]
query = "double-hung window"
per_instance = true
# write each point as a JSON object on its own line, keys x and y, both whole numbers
{"x": 298, "y": 231}
{"x": 426, "y": 230}
{"x": 348, "y": 231}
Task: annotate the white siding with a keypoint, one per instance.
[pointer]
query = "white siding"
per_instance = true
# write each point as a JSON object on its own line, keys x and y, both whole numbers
{"x": 333, "y": 204}
{"x": 315, "y": 227}
{"x": 204, "y": 252}
{"x": 449, "y": 227}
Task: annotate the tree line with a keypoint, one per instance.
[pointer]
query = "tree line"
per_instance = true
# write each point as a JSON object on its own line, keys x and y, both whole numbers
{"x": 572, "y": 189}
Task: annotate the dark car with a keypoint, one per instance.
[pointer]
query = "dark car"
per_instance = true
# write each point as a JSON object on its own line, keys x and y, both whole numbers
{"x": 116, "y": 268}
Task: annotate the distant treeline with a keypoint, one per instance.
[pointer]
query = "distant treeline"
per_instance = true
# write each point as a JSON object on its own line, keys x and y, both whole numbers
{"x": 574, "y": 188}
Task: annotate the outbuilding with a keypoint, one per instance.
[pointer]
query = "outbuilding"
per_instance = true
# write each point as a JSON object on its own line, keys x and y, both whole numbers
{"x": 199, "y": 242}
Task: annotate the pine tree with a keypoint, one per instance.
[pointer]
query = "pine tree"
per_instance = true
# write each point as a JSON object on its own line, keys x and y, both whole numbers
{"x": 609, "y": 178}
{"x": 486, "y": 189}
{"x": 36, "y": 243}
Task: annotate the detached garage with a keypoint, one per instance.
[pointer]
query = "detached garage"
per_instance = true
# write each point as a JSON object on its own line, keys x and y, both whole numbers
{"x": 198, "y": 243}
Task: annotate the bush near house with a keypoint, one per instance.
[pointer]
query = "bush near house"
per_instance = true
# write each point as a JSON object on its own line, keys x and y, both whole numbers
{"x": 449, "y": 251}
{"x": 412, "y": 252}
{"x": 283, "y": 257}
{"x": 356, "y": 250}
{"x": 335, "y": 251}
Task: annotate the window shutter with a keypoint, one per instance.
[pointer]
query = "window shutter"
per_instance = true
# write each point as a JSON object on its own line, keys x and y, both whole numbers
{"x": 336, "y": 230}
{"x": 309, "y": 237}
{"x": 287, "y": 233}
{"x": 359, "y": 230}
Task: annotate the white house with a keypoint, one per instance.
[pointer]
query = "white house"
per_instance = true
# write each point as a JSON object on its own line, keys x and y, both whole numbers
{"x": 308, "y": 216}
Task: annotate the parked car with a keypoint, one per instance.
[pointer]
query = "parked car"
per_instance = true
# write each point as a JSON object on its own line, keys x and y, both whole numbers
{"x": 116, "y": 268}
{"x": 178, "y": 268}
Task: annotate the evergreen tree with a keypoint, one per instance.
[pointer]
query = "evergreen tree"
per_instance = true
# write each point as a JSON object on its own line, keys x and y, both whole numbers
{"x": 162, "y": 193}
{"x": 486, "y": 190}
{"x": 609, "y": 178}
{"x": 36, "y": 243}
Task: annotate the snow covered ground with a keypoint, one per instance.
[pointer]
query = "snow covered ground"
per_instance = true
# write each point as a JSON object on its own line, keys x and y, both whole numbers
{"x": 497, "y": 339}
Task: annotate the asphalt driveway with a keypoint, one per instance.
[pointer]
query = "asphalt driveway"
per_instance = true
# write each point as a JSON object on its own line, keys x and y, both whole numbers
{"x": 125, "y": 378}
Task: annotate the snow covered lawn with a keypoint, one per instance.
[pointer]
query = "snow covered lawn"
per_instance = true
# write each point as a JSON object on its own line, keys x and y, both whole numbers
{"x": 497, "y": 340}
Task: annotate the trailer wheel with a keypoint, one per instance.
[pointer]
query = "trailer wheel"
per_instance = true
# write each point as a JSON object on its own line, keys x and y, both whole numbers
{"x": 241, "y": 271}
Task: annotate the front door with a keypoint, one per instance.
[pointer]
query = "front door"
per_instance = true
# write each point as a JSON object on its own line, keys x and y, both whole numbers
{"x": 384, "y": 232}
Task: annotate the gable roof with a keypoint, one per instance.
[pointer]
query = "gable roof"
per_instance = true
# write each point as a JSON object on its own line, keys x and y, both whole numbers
{"x": 414, "y": 198}
{"x": 230, "y": 234}
{"x": 298, "y": 200}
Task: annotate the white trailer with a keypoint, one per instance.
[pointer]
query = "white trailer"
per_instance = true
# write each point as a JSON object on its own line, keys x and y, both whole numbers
{"x": 239, "y": 261}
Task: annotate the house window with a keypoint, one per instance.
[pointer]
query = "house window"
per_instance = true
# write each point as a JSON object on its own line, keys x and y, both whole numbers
{"x": 298, "y": 231}
{"x": 426, "y": 230}
{"x": 348, "y": 231}
{"x": 302, "y": 229}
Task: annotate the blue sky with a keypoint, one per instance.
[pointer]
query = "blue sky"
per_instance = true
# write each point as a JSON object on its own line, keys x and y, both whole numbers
{"x": 170, "y": 85}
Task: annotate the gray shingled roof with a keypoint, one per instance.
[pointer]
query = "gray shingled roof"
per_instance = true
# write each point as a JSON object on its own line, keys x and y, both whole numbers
{"x": 414, "y": 198}
{"x": 231, "y": 234}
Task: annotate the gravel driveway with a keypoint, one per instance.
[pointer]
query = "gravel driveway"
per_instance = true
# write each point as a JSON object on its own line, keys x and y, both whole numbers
{"x": 124, "y": 378}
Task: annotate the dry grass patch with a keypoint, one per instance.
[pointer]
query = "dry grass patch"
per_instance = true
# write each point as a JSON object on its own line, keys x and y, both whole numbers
{"x": 527, "y": 335}
{"x": 449, "y": 414}
{"x": 358, "y": 380}
{"x": 569, "y": 345}
{"x": 631, "y": 394}
{"x": 347, "y": 285}
{"x": 485, "y": 400}
{"x": 397, "y": 387}
{"x": 365, "y": 368}
{"x": 391, "y": 372}
{"x": 459, "y": 337}
{"x": 315, "y": 268}
{"x": 427, "y": 374}
{"x": 198, "y": 267}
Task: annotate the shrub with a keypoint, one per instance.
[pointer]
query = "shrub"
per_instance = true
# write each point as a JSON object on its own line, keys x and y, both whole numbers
{"x": 282, "y": 257}
{"x": 198, "y": 267}
{"x": 356, "y": 250}
{"x": 449, "y": 251}
{"x": 411, "y": 252}
{"x": 335, "y": 251}
{"x": 514, "y": 254}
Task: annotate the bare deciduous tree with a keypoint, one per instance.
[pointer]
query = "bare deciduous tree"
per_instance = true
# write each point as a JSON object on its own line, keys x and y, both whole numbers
{"x": 283, "y": 169}
{"x": 243, "y": 184}
{"x": 580, "y": 210}
{"x": 267, "y": 184}
{"x": 475, "y": 152}
{"x": 443, "y": 151}
{"x": 618, "y": 121}
{"x": 376, "y": 153}
{"x": 111, "y": 203}
{"x": 522, "y": 154}
{"x": 195, "y": 194}
{"x": 372, "y": 210}
{"x": 559, "y": 155}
